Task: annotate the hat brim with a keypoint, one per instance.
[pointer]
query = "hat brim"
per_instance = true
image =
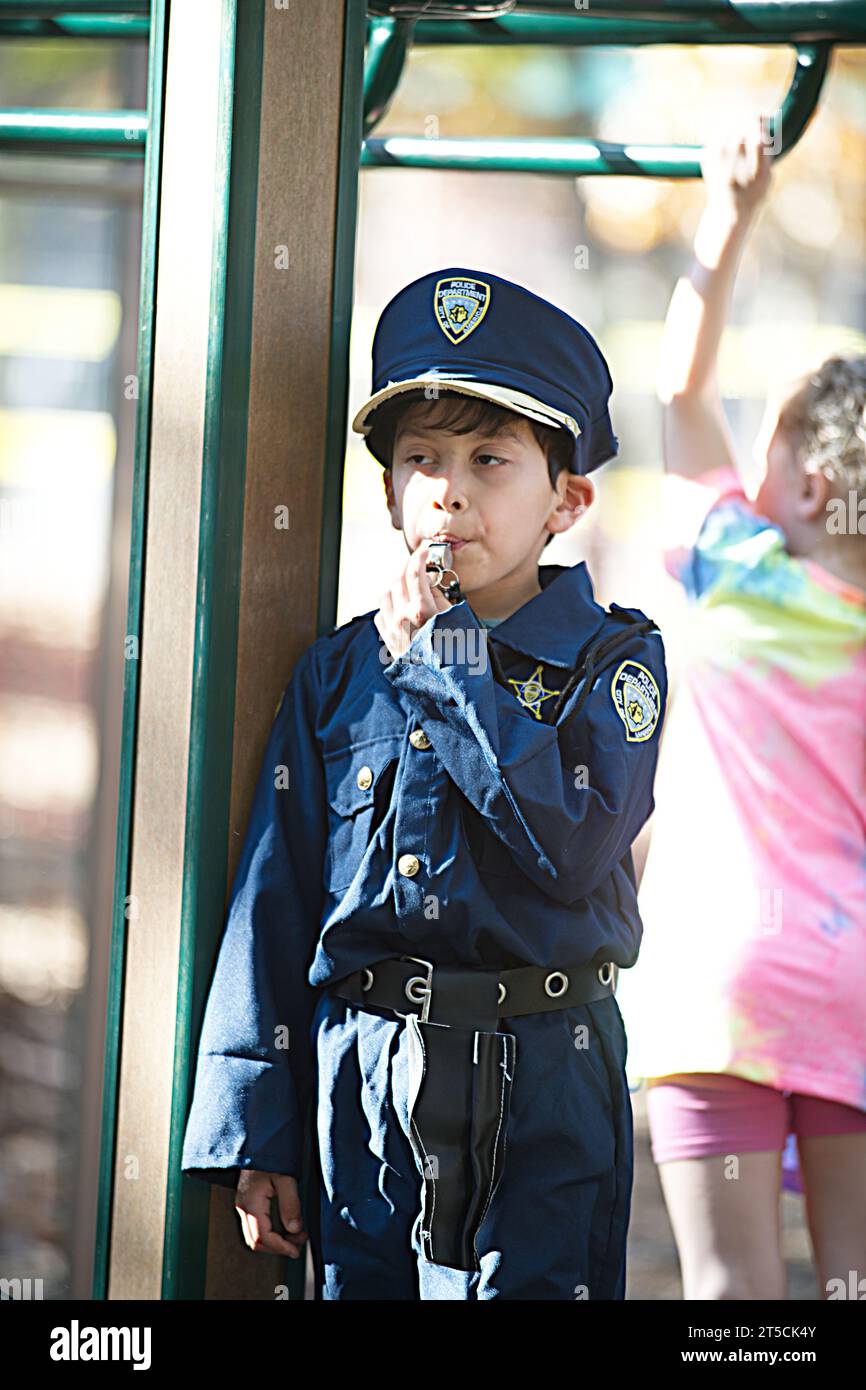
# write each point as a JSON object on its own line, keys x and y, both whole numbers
{"x": 499, "y": 395}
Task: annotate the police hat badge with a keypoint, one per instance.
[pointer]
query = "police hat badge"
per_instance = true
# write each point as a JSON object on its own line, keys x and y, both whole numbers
{"x": 460, "y": 305}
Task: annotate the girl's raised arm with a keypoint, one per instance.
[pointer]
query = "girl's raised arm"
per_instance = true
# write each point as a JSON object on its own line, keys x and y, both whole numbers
{"x": 696, "y": 435}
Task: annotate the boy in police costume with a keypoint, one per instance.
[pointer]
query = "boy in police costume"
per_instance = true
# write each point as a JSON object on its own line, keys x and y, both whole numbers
{"x": 425, "y": 924}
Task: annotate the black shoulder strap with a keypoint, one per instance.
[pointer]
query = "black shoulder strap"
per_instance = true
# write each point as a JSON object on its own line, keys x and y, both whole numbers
{"x": 594, "y": 655}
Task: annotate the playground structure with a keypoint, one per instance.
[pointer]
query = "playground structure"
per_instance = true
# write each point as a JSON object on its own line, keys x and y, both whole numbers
{"x": 259, "y": 119}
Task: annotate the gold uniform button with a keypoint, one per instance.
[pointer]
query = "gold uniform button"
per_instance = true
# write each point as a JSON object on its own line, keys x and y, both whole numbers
{"x": 419, "y": 739}
{"x": 365, "y": 778}
{"x": 408, "y": 864}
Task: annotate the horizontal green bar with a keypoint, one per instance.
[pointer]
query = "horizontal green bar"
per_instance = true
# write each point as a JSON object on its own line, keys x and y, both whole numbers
{"x": 842, "y": 21}
{"x": 84, "y": 26}
{"x": 116, "y": 133}
{"x": 736, "y": 21}
{"x": 531, "y": 155}
{"x": 45, "y": 9}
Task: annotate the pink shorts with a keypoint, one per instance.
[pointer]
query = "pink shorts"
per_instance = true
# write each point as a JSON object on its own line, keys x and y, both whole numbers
{"x": 696, "y": 1114}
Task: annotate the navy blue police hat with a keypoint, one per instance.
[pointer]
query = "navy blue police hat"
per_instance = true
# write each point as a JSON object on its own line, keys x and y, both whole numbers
{"x": 475, "y": 333}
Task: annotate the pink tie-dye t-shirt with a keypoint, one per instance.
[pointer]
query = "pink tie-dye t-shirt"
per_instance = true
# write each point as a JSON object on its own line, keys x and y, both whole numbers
{"x": 753, "y": 959}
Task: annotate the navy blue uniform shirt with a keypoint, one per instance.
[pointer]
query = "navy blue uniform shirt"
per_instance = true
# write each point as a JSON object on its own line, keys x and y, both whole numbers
{"x": 461, "y": 806}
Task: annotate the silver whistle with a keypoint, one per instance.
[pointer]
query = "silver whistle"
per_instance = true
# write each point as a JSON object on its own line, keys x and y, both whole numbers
{"x": 439, "y": 567}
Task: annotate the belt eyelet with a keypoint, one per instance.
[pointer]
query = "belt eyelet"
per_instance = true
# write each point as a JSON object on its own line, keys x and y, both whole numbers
{"x": 605, "y": 979}
{"x": 366, "y": 979}
{"x": 555, "y": 975}
{"x": 502, "y": 992}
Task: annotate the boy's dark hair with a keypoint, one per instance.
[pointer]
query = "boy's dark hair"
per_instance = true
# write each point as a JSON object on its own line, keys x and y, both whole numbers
{"x": 460, "y": 414}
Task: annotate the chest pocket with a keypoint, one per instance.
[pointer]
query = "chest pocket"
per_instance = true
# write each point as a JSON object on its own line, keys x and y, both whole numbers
{"x": 359, "y": 783}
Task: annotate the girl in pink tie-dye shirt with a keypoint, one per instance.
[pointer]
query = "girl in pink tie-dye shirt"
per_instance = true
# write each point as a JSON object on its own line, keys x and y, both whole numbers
{"x": 746, "y": 1011}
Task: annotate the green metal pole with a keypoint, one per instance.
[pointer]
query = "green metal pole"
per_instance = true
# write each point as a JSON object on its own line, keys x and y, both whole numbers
{"x": 144, "y": 375}
{"x": 223, "y": 480}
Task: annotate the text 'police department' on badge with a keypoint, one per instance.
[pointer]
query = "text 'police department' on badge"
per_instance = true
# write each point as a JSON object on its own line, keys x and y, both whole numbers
{"x": 637, "y": 700}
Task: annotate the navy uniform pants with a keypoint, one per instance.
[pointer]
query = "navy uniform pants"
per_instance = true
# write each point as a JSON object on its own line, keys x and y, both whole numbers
{"x": 556, "y": 1227}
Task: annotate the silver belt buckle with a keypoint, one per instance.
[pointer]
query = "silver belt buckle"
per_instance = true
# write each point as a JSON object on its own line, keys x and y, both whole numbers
{"x": 419, "y": 989}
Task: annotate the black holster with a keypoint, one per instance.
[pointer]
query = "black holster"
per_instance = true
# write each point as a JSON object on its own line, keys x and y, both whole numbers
{"x": 460, "y": 1083}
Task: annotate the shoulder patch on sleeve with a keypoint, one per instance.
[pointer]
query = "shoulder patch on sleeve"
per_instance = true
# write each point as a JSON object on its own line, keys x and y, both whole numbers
{"x": 636, "y": 699}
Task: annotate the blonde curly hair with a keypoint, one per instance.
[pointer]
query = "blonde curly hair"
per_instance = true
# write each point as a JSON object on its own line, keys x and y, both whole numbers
{"x": 824, "y": 421}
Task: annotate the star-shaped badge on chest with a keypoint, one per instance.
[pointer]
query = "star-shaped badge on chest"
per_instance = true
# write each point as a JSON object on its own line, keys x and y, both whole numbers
{"x": 531, "y": 692}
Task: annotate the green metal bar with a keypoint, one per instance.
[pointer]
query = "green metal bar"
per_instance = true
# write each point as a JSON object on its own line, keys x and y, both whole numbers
{"x": 85, "y": 26}
{"x": 534, "y": 21}
{"x": 144, "y": 375}
{"x": 841, "y": 21}
{"x": 413, "y": 8}
{"x": 801, "y": 100}
{"x": 119, "y": 134}
{"x": 784, "y": 15}
{"x": 387, "y": 44}
{"x": 576, "y": 157}
{"x": 122, "y": 134}
{"x": 781, "y": 21}
{"x": 51, "y": 9}
{"x": 550, "y": 155}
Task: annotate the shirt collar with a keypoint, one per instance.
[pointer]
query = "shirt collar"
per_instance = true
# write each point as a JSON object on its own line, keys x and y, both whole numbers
{"x": 552, "y": 626}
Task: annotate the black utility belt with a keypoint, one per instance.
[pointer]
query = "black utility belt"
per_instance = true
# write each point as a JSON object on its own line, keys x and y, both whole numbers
{"x": 461, "y": 1070}
{"x": 463, "y": 997}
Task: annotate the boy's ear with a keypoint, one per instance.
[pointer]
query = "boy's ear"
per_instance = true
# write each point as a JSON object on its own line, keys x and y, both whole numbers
{"x": 577, "y": 494}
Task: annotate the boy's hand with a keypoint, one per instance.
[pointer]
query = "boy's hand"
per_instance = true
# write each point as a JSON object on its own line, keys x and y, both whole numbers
{"x": 409, "y": 603}
{"x": 253, "y": 1205}
{"x": 736, "y": 171}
